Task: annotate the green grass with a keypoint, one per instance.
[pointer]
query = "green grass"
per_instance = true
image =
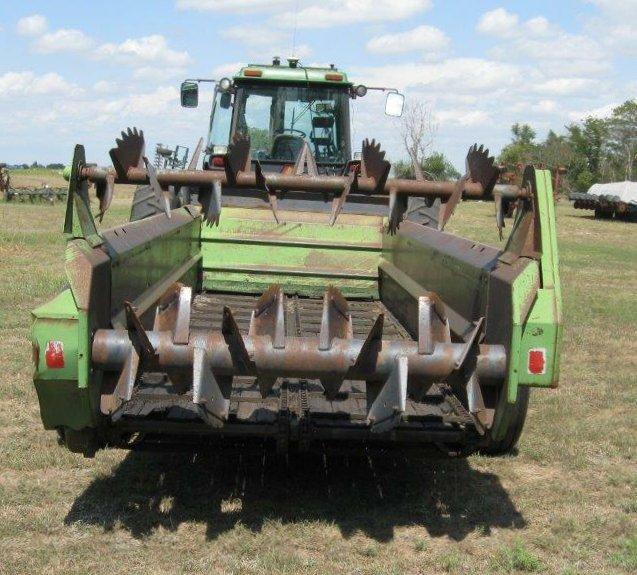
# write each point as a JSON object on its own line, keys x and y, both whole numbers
{"x": 564, "y": 505}
{"x": 517, "y": 558}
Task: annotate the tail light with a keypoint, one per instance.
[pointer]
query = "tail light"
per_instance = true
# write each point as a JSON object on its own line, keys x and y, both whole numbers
{"x": 54, "y": 355}
{"x": 217, "y": 162}
{"x": 537, "y": 361}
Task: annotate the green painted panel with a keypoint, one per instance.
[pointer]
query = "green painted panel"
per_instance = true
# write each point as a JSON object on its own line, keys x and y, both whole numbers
{"x": 317, "y": 261}
{"x": 61, "y": 330}
{"x": 249, "y": 251}
{"x": 284, "y": 73}
{"x": 365, "y": 231}
{"x": 61, "y": 306}
{"x": 237, "y": 282}
{"x": 63, "y": 404}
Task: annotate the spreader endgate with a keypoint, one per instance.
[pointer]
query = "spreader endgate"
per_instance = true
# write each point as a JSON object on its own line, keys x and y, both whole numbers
{"x": 394, "y": 371}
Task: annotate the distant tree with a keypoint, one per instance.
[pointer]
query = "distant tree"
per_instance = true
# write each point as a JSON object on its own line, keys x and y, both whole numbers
{"x": 555, "y": 150}
{"x": 522, "y": 149}
{"x": 622, "y": 140}
{"x": 588, "y": 142}
{"x": 434, "y": 167}
{"x": 259, "y": 139}
{"x": 418, "y": 131}
{"x": 523, "y": 134}
{"x": 55, "y": 166}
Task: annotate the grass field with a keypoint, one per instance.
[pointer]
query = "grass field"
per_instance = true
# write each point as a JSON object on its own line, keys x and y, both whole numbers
{"x": 566, "y": 504}
{"x": 36, "y": 177}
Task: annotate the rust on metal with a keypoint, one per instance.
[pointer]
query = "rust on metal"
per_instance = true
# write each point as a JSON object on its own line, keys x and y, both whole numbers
{"x": 374, "y": 165}
{"x": 215, "y": 357}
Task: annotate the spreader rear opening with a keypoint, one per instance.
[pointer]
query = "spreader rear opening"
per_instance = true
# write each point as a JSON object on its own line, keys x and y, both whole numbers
{"x": 295, "y": 412}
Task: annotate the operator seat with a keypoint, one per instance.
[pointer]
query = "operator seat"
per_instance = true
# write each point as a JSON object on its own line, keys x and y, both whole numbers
{"x": 286, "y": 147}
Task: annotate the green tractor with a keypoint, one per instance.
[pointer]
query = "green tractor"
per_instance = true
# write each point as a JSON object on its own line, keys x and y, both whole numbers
{"x": 297, "y": 119}
{"x": 294, "y": 304}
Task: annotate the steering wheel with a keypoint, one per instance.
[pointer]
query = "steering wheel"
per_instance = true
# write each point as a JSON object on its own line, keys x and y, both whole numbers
{"x": 292, "y": 131}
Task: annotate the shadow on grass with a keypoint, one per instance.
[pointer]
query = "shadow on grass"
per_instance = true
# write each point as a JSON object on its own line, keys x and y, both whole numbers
{"x": 371, "y": 494}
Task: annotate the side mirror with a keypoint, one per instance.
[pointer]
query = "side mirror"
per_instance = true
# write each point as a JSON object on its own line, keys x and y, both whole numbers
{"x": 189, "y": 94}
{"x": 394, "y": 104}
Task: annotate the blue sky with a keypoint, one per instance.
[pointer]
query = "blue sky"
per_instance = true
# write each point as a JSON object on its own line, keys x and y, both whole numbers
{"x": 79, "y": 72}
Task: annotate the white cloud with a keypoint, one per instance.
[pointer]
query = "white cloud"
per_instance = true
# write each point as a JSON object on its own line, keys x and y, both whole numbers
{"x": 33, "y": 25}
{"x": 462, "y": 117}
{"x": 615, "y": 26}
{"x": 139, "y": 52}
{"x": 601, "y": 112}
{"x": 260, "y": 40}
{"x": 63, "y": 40}
{"x": 227, "y": 70}
{"x": 462, "y": 75}
{"x": 104, "y": 87}
{"x": 231, "y": 5}
{"x": 330, "y": 13}
{"x": 617, "y": 9}
{"x": 545, "y": 49}
{"x": 499, "y": 23}
{"x": 538, "y": 26}
{"x": 565, "y": 86}
{"x": 545, "y": 107}
{"x": 315, "y": 13}
{"x": 28, "y": 83}
{"x": 425, "y": 38}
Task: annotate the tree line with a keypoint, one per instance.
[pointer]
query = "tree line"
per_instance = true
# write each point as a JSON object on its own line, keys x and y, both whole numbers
{"x": 594, "y": 150}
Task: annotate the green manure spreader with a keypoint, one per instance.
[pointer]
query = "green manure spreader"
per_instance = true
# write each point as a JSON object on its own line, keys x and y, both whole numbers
{"x": 285, "y": 293}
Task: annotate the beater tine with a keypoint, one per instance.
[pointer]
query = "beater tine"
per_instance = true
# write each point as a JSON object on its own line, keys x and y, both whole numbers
{"x": 195, "y": 155}
{"x": 173, "y": 313}
{"x": 433, "y": 325}
{"x": 374, "y": 165}
{"x": 339, "y": 201}
{"x": 262, "y": 185}
{"x": 397, "y": 208}
{"x": 387, "y": 401}
{"x": 210, "y": 200}
{"x": 128, "y": 152}
{"x": 268, "y": 316}
{"x": 372, "y": 344}
{"x": 335, "y": 319}
{"x": 234, "y": 339}
{"x": 237, "y": 158}
{"x": 137, "y": 333}
{"x": 211, "y": 393}
{"x": 161, "y": 199}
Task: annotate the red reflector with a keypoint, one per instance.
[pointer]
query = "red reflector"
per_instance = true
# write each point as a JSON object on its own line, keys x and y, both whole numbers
{"x": 253, "y": 73}
{"x": 537, "y": 361}
{"x": 217, "y": 161}
{"x": 54, "y": 355}
{"x": 334, "y": 77}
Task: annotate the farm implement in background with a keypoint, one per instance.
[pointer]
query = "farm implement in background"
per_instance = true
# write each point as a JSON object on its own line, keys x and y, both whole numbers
{"x": 617, "y": 199}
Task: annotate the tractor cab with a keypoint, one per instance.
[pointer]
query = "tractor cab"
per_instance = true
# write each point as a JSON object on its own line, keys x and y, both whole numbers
{"x": 286, "y": 111}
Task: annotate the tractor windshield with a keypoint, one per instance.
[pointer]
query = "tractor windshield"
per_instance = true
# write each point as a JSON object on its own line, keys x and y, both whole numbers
{"x": 279, "y": 119}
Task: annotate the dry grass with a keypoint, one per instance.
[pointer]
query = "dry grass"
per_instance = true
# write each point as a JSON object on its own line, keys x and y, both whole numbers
{"x": 37, "y": 177}
{"x": 566, "y": 504}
